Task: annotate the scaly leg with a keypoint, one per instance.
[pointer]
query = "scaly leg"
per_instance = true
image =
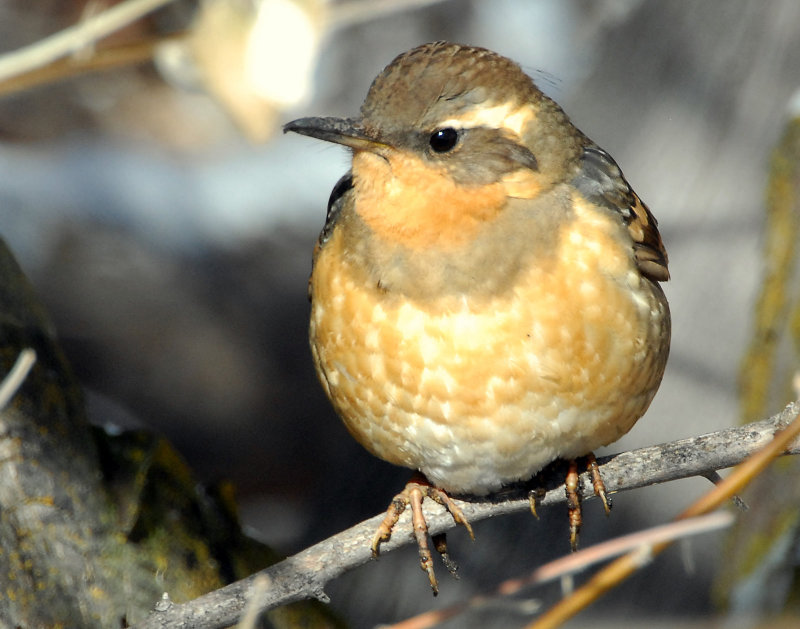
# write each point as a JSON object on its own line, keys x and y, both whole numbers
{"x": 416, "y": 490}
{"x": 572, "y": 486}
{"x": 597, "y": 483}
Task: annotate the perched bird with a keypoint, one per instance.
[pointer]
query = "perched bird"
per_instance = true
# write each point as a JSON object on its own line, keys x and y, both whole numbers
{"x": 485, "y": 293}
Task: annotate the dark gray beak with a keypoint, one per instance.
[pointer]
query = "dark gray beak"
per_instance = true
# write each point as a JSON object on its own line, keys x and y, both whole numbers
{"x": 347, "y": 131}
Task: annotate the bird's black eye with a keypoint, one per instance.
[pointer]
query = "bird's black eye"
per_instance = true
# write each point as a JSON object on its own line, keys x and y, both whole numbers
{"x": 443, "y": 140}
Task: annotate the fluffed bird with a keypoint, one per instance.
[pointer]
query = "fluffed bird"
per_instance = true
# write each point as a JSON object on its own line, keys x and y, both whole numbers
{"x": 485, "y": 292}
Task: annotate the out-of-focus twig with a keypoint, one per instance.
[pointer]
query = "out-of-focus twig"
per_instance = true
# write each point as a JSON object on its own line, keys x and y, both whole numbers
{"x": 617, "y": 571}
{"x": 251, "y": 612}
{"x": 575, "y": 563}
{"x": 256, "y": 58}
{"x": 75, "y": 37}
{"x": 105, "y": 58}
{"x": 14, "y": 379}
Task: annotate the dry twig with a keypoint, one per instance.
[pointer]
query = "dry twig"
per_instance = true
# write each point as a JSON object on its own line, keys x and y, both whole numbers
{"x": 613, "y": 574}
{"x": 74, "y": 38}
{"x": 574, "y": 563}
{"x": 305, "y": 574}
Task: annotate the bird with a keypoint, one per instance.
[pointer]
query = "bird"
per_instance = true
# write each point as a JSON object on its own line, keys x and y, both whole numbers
{"x": 485, "y": 292}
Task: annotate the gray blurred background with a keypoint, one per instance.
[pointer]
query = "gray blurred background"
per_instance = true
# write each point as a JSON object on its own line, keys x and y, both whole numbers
{"x": 173, "y": 256}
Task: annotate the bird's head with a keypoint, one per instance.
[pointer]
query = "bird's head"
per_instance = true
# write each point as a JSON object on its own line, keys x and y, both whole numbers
{"x": 447, "y": 134}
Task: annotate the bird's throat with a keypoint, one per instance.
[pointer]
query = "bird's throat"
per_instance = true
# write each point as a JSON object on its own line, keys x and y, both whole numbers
{"x": 404, "y": 200}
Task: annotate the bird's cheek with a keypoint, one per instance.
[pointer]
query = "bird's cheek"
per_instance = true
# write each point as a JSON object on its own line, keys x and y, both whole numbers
{"x": 523, "y": 184}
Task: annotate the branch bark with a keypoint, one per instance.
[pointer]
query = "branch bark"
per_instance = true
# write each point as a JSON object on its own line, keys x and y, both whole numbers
{"x": 305, "y": 574}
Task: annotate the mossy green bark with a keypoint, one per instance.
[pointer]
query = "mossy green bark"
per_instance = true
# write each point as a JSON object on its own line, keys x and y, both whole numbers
{"x": 93, "y": 527}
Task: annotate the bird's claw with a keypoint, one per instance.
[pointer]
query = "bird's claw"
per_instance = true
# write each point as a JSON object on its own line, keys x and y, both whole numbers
{"x": 414, "y": 493}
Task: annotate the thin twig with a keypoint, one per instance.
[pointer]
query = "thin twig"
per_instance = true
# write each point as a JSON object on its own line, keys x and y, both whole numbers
{"x": 75, "y": 37}
{"x": 105, "y": 58}
{"x": 16, "y": 66}
{"x": 251, "y": 612}
{"x": 574, "y": 563}
{"x": 14, "y": 379}
{"x": 305, "y": 574}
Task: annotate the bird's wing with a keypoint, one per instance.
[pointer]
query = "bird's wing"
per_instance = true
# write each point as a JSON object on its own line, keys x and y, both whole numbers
{"x": 601, "y": 181}
{"x": 341, "y": 195}
{"x": 337, "y": 200}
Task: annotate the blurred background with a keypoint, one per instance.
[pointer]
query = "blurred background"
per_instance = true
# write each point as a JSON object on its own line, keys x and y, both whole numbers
{"x": 168, "y": 226}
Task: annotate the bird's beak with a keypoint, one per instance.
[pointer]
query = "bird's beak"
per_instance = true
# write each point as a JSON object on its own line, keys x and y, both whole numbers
{"x": 346, "y": 131}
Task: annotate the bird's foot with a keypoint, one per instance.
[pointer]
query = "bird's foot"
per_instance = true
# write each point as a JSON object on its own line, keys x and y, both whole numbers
{"x": 416, "y": 490}
{"x": 597, "y": 482}
{"x": 572, "y": 485}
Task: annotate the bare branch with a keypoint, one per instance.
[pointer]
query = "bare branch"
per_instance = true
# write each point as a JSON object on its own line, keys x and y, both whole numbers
{"x": 305, "y": 574}
{"x": 75, "y": 37}
{"x": 620, "y": 569}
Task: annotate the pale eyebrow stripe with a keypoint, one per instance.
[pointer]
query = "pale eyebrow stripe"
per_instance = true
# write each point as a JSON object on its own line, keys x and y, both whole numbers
{"x": 506, "y": 115}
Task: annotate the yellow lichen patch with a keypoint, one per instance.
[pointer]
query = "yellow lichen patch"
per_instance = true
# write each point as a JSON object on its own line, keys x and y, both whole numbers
{"x": 98, "y": 593}
{"x": 405, "y": 200}
{"x": 47, "y": 501}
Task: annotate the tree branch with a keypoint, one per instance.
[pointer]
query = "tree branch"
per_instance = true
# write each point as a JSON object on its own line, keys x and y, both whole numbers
{"x": 75, "y": 37}
{"x": 305, "y": 574}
